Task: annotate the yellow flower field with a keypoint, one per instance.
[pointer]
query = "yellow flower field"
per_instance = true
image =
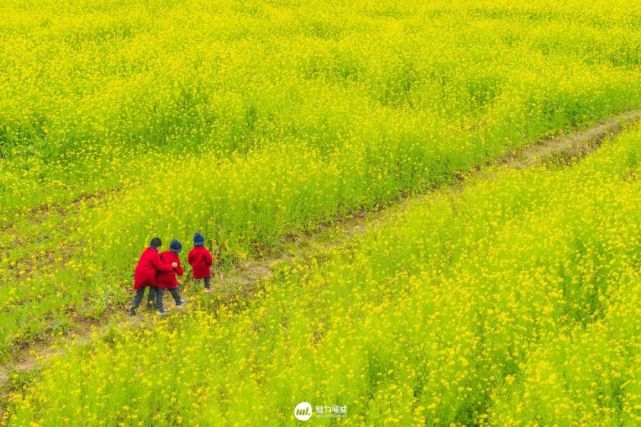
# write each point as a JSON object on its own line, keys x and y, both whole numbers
{"x": 512, "y": 302}
{"x": 509, "y": 303}
{"x": 251, "y": 121}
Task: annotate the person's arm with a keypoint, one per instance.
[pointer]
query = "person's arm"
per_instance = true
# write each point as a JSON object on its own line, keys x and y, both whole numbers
{"x": 160, "y": 265}
{"x": 179, "y": 269}
{"x": 209, "y": 259}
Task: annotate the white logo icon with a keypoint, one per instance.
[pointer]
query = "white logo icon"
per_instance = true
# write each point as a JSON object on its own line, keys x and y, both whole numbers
{"x": 303, "y": 411}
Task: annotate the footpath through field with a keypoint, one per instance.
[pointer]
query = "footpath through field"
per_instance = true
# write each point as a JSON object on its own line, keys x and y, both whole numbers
{"x": 246, "y": 278}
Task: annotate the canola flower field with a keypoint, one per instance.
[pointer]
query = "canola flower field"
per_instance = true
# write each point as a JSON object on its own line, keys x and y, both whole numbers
{"x": 251, "y": 121}
{"x": 512, "y": 302}
{"x": 515, "y": 301}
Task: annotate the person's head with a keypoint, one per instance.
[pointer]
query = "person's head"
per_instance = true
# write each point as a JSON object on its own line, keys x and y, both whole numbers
{"x": 175, "y": 246}
{"x": 199, "y": 239}
{"x": 155, "y": 243}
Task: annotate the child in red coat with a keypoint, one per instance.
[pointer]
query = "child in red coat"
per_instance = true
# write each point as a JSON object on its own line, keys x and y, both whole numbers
{"x": 201, "y": 261}
{"x": 146, "y": 271}
{"x": 167, "y": 279}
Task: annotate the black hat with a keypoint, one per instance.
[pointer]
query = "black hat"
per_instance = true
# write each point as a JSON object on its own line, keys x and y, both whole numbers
{"x": 175, "y": 246}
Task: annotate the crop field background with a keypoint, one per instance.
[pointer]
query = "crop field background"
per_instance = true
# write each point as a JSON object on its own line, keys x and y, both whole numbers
{"x": 516, "y": 301}
{"x": 512, "y": 300}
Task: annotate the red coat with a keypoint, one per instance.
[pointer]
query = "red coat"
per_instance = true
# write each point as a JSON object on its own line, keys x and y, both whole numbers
{"x": 167, "y": 279}
{"x": 148, "y": 266}
{"x": 201, "y": 261}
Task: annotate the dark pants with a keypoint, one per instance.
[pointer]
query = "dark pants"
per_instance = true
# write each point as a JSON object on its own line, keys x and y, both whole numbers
{"x": 152, "y": 297}
{"x": 207, "y": 282}
{"x": 158, "y": 295}
{"x": 176, "y": 294}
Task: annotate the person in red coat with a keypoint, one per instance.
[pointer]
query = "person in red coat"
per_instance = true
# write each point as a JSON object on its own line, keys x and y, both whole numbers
{"x": 167, "y": 279}
{"x": 146, "y": 271}
{"x": 201, "y": 261}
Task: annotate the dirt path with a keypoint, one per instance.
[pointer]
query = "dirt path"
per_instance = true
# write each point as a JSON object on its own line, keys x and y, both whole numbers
{"x": 245, "y": 278}
{"x": 574, "y": 145}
